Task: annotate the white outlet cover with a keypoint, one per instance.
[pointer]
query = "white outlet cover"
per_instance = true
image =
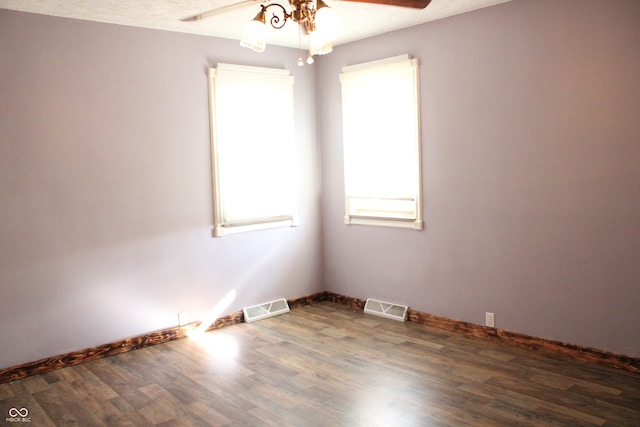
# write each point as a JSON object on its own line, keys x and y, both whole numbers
{"x": 183, "y": 318}
{"x": 490, "y": 319}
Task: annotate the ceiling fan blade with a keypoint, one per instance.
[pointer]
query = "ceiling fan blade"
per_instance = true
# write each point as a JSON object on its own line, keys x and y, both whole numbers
{"x": 222, "y": 9}
{"x": 416, "y": 4}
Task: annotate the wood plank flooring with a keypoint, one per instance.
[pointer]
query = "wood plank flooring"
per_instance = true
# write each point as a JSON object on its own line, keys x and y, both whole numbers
{"x": 327, "y": 365}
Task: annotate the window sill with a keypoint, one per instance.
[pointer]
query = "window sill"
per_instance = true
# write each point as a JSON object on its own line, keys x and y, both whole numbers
{"x": 385, "y": 222}
{"x": 226, "y": 230}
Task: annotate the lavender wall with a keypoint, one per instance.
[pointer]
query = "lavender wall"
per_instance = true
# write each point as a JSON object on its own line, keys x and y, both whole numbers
{"x": 532, "y": 186}
{"x": 531, "y": 151}
{"x": 105, "y": 201}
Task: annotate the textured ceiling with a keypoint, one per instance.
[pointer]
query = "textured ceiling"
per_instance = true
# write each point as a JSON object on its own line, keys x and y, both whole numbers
{"x": 355, "y": 20}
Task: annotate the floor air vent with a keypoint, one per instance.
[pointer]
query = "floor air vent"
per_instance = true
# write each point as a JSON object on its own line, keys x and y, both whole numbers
{"x": 386, "y": 309}
{"x": 268, "y": 309}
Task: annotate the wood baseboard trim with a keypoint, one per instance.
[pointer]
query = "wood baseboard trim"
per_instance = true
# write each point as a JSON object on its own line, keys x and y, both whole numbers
{"x": 48, "y": 364}
{"x": 224, "y": 321}
{"x": 351, "y": 302}
{"x": 354, "y": 303}
{"x": 586, "y": 354}
{"x": 93, "y": 353}
{"x": 309, "y": 299}
{"x": 573, "y": 351}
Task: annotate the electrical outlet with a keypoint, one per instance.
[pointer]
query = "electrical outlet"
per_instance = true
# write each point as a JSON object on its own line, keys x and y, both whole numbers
{"x": 183, "y": 318}
{"x": 490, "y": 319}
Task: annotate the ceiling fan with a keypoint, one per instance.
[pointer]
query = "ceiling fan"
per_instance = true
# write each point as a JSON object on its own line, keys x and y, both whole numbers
{"x": 314, "y": 16}
{"x": 415, "y": 4}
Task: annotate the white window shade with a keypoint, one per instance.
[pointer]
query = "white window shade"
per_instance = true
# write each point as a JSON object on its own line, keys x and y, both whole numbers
{"x": 381, "y": 136}
{"x": 252, "y": 148}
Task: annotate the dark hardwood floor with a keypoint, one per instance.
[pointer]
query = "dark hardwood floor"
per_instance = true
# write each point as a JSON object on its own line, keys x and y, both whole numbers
{"x": 326, "y": 365}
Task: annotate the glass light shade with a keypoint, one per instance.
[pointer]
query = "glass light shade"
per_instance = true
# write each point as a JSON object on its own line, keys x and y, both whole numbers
{"x": 319, "y": 44}
{"x": 325, "y": 20}
{"x": 255, "y": 35}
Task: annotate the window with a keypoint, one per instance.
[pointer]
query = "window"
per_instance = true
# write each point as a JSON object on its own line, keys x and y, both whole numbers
{"x": 252, "y": 148}
{"x": 381, "y": 137}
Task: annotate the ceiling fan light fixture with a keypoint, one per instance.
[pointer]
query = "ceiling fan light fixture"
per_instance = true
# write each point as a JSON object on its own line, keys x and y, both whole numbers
{"x": 315, "y": 17}
{"x": 255, "y": 33}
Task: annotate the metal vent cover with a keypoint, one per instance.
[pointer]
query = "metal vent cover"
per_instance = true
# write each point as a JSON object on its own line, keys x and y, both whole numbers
{"x": 267, "y": 309}
{"x": 386, "y": 309}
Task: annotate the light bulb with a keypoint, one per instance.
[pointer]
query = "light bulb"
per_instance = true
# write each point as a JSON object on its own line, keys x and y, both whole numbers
{"x": 319, "y": 44}
{"x": 255, "y": 34}
{"x": 325, "y": 20}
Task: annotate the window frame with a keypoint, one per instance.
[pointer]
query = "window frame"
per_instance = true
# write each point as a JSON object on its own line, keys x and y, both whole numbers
{"x": 387, "y": 217}
{"x": 221, "y": 226}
